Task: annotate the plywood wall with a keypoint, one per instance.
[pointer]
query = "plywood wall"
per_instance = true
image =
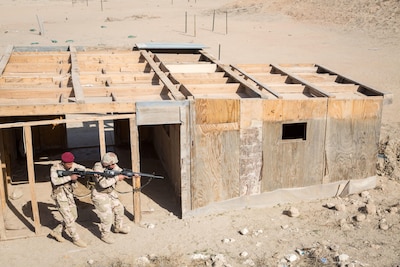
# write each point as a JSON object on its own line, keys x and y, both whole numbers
{"x": 297, "y": 162}
{"x": 353, "y": 128}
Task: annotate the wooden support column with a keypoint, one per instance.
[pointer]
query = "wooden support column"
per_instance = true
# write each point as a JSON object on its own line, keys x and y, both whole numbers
{"x": 102, "y": 138}
{"x": 31, "y": 177}
{"x": 135, "y": 156}
{"x": 2, "y": 192}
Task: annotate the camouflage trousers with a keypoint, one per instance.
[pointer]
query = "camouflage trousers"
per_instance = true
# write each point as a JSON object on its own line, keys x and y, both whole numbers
{"x": 65, "y": 203}
{"x": 109, "y": 209}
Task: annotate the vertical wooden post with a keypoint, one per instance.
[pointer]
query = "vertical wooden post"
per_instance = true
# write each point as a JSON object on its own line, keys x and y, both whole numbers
{"x": 135, "y": 156}
{"x": 213, "y": 21}
{"x": 194, "y": 25}
{"x": 102, "y": 139}
{"x": 31, "y": 177}
{"x": 186, "y": 22}
{"x": 219, "y": 52}
{"x": 2, "y": 192}
{"x": 226, "y": 22}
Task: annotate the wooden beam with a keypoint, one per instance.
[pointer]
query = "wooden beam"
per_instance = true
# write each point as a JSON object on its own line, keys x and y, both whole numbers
{"x": 31, "y": 177}
{"x": 76, "y": 83}
{"x": 3, "y": 204}
{"x": 266, "y": 87}
{"x": 135, "y": 156}
{"x": 5, "y": 58}
{"x": 314, "y": 89}
{"x": 60, "y": 121}
{"x": 249, "y": 87}
{"x": 171, "y": 87}
{"x": 102, "y": 138}
{"x": 66, "y": 108}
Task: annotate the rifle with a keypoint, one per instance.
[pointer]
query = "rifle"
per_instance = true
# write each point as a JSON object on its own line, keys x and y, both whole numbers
{"x": 107, "y": 173}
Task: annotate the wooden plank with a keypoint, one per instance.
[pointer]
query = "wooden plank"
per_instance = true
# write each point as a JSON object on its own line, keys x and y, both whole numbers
{"x": 185, "y": 142}
{"x": 102, "y": 138}
{"x": 203, "y": 81}
{"x": 35, "y": 68}
{"x": 251, "y": 89}
{"x": 214, "y": 111}
{"x": 156, "y": 113}
{"x": 5, "y": 58}
{"x": 114, "y": 67}
{"x": 176, "y": 58}
{"x": 316, "y": 90}
{"x": 215, "y": 166}
{"x": 171, "y": 87}
{"x": 254, "y": 68}
{"x": 135, "y": 156}
{"x": 206, "y": 76}
{"x": 191, "y": 68}
{"x": 3, "y": 185}
{"x": 36, "y": 81}
{"x": 301, "y": 161}
{"x": 26, "y": 93}
{"x": 135, "y": 90}
{"x": 31, "y": 177}
{"x": 78, "y": 92}
{"x": 352, "y": 141}
{"x": 212, "y": 88}
{"x": 40, "y": 57}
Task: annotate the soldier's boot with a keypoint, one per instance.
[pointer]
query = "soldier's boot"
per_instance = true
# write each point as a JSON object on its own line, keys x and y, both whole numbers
{"x": 57, "y": 235}
{"x": 107, "y": 238}
{"x": 79, "y": 243}
{"x": 123, "y": 229}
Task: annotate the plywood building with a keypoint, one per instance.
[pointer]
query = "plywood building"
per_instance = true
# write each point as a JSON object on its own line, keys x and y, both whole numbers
{"x": 226, "y": 135}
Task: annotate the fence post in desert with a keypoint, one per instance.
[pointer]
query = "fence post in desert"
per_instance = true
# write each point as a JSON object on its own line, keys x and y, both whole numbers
{"x": 219, "y": 51}
{"x": 194, "y": 25}
{"x": 101, "y": 3}
{"x": 186, "y": 22}
{"x": 213, "y": 21}
{"x": 41, "y": 32}
{"x": 226, "y": 21}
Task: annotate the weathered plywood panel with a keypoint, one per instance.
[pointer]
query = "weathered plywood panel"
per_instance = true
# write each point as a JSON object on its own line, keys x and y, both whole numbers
{"x": 212, "y": 111}
{"x": 215, "y": 166}
{"x": 215, "y": 153}
{"x": 294, "y": 162}
{"x": 352, "y": 138}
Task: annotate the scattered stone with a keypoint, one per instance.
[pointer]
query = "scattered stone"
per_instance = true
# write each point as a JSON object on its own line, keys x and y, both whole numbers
{"x": 329, "y": 205}
{"x": 142, "y": 261}
{"x": 244, "y": 231}
{"x": 340, "y": 207}
{"x": 383, "y": 225}
{"x": 90, "y": 262}
{"x": 228, "y": 240}
{"x": 284, "y": 227}
{"x": 249, "y": 262}
{"x": 364, "y": 194}
{"x": 16, "y": 194}
{"x": 258, "y": 232}
{"x": 244, "y": 254}
{"x": 219, "y": 261}
{"x": 360, "y": 217}
{"x": 342, "y": 258}
{"x": 292, "y": 212}
{"x": 199, "y": 256}
{"x": 291, "y": 257}
{"x": 393, "y": 210}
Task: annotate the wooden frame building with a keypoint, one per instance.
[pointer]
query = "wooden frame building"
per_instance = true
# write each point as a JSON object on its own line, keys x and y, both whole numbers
{"x": 225, "y": 134}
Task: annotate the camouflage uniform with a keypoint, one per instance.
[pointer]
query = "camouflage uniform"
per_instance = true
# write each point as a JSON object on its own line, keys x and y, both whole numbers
{"x": 62, "y": 194}
{"x": 109, "y": 208}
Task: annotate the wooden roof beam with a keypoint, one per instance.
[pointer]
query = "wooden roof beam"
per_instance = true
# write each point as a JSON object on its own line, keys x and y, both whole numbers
{"x": 163, "y": 77}
{"x": 5, "y": 58}
{"x": 76, "y": 83}
{"x": 251, "y": 89}
{"x": 313, "y": 89}
{"x": 257, "y": 82}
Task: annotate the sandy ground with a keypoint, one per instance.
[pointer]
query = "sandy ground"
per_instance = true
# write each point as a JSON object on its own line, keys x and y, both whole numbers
{"x": 358, "y": 39}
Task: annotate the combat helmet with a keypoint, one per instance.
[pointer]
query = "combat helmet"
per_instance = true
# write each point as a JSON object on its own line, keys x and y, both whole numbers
{"x": 109, "y": 158}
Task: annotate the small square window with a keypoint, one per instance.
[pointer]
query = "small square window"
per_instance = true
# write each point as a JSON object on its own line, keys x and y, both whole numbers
{"x": 294, "y": 131}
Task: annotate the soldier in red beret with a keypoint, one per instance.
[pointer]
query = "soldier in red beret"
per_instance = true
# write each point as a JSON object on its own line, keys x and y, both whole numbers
{"x": 62, "y": 194}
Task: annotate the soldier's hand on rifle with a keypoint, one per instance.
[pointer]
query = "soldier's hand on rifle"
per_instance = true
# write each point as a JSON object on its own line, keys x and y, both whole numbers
{"x": 121, "y": 177}
{"x": 74, "y": 177}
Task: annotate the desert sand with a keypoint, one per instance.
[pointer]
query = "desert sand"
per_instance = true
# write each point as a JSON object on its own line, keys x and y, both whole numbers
{"x": 359, "y": 39}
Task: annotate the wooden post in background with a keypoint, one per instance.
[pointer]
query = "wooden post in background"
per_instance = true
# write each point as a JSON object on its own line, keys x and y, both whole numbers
{"x": 31, "y": 176}
{"x": 102, "y": 139}
{"x": 135, "y": 156}
{"x": 2, "y": 192}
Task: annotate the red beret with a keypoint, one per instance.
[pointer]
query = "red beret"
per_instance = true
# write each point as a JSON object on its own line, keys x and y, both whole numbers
{"x": 67, "y": 157}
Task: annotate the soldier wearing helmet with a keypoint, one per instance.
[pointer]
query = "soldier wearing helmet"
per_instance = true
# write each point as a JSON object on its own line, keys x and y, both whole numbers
{"x": 109, "y": 208}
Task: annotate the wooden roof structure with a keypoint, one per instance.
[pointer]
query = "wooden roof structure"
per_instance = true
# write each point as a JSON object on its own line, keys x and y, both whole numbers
{"x": 221, "y": 122}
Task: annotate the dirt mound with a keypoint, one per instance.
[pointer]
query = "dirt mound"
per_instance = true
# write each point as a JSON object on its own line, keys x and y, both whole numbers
{"x": 379, "y": 19}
